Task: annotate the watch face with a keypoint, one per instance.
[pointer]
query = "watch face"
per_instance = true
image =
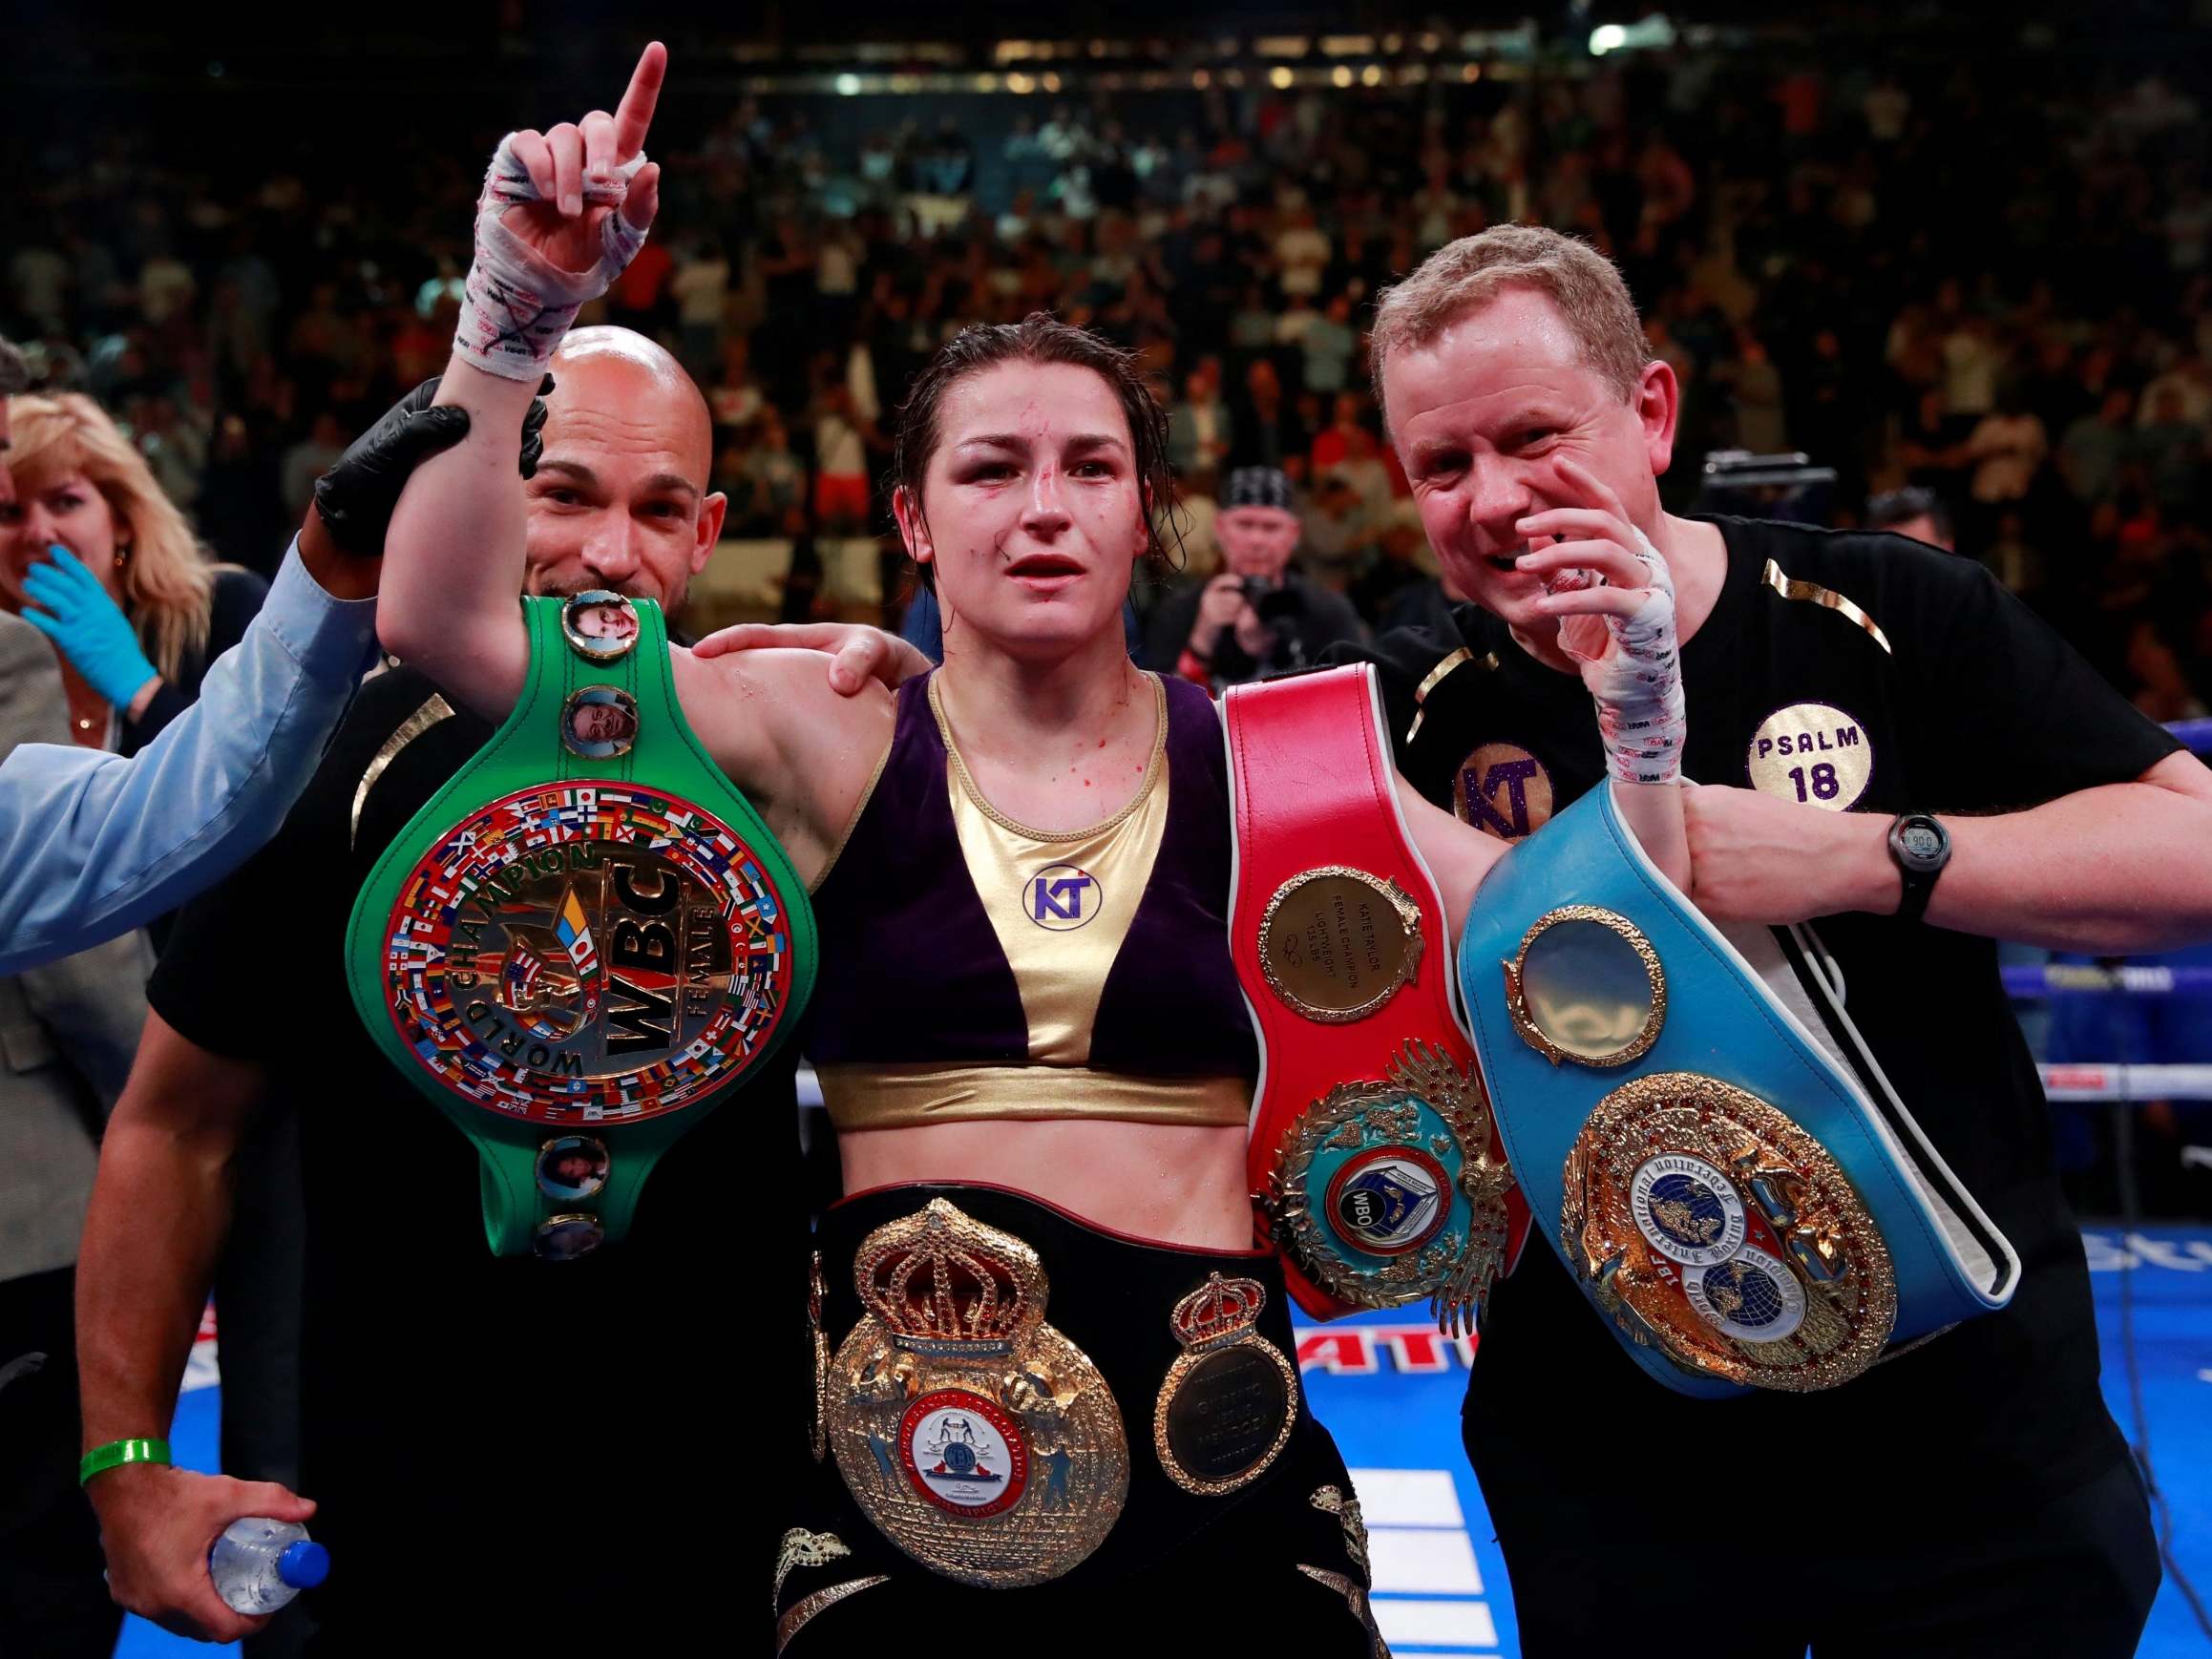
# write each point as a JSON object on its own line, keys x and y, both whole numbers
{"x": 1920, "y": 841}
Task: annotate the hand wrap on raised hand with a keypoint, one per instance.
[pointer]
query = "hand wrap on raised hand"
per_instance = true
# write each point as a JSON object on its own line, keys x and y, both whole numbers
{"x": 519, "y": 303}
{"x": 1641, "y": 712}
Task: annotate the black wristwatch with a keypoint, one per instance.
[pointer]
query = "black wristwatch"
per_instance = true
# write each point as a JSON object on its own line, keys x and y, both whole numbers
{"x": 1920, "y": 846}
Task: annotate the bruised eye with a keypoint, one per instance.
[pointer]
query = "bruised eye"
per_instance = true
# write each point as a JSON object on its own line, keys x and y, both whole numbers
{"x": 1092, "y": 470}
{"x": 1535, "y": 435}
{"x": 987, "y": 472}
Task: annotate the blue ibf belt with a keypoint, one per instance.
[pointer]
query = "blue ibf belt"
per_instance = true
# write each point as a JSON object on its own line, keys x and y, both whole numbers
{"x": 1704, "y": 1138}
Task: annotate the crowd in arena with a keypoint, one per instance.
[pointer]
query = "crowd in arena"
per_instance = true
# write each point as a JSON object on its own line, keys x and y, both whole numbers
{"x": 2032, "y": 349}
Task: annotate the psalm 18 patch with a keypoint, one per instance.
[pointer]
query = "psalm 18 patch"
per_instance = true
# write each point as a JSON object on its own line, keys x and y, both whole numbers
{"x": 1813, "y": 753}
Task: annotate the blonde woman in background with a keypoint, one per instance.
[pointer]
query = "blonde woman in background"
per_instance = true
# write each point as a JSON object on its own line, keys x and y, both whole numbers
{"x": 96, "y": 557}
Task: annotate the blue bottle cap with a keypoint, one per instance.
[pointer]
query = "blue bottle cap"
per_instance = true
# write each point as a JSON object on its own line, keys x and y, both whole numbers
{"x": 303, "y": 1565}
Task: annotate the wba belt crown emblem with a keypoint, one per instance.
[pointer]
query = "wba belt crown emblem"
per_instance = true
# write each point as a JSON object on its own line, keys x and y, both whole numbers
{"x": 978, "y": 1439}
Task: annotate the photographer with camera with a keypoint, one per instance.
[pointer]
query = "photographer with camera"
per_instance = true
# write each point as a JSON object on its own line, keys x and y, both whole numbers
{"x": 1258, "y": 618}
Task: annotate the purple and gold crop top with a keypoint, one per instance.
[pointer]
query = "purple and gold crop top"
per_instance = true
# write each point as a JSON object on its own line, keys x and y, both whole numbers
{"x": 974, "y": 968}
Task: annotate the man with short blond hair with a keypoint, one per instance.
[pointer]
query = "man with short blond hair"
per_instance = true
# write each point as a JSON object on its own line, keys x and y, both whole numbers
{"x": 1841, "y": 687}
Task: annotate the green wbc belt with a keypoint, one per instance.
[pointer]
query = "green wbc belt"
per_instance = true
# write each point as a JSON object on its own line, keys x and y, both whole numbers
{"x": 587, "y": 940}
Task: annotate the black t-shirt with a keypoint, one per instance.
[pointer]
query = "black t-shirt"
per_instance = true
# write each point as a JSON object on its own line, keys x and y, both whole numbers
{"x": 529, "y": 1434}
{"x": 1974, "y": 706}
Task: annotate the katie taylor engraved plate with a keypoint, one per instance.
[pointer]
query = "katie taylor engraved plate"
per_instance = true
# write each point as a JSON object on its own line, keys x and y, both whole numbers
{"x": 587, "y": 953}
{"x": 1336, "y": 942}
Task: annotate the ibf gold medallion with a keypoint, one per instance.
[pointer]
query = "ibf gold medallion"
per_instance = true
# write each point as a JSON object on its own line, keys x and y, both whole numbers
{"x": 1708, "y": 1224}
{"x": 1335, "y": 943}
{"x": 979, "y": 1439}
{"x": 1229, "y": 1400}
{"x": 586, "y": 953}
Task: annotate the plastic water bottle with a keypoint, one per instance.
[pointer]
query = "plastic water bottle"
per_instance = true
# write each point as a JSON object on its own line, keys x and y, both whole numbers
{"x": 259, "y": 1565}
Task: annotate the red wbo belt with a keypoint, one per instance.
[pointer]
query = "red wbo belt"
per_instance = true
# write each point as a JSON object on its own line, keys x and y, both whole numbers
{"x": 1374, "y": 1161}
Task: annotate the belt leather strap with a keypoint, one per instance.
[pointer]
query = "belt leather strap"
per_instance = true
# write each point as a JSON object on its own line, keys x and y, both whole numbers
{"x": 1373, "y": 1161}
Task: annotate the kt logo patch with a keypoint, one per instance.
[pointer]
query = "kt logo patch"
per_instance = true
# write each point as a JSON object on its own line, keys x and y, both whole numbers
{"x": 1812, "y": 753}
{"x": 1503, "y": 790}
{"x": 1062, "y": 897}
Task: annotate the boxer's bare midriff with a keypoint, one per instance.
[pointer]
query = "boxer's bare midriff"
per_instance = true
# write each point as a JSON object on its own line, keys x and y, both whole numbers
{"x": 1164, "y": 1182}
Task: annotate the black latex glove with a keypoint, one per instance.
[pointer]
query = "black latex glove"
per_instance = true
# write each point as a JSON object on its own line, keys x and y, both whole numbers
{"x": 357, "y": 495}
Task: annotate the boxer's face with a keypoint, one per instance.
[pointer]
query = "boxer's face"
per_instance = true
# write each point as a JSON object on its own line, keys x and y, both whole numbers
{"x": 620, "y": 498}
{"x": 1031, "y": 513}
{"x": 602, "y": 723}
{"x": 609, "y": 623}
{"x": 1482, "y": 416}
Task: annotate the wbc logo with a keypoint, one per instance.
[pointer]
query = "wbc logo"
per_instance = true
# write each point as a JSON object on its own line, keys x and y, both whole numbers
{"x": 1062, "y": 897}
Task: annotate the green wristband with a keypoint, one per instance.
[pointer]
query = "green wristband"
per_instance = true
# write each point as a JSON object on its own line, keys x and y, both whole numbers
{"x": 117, "y": 1453}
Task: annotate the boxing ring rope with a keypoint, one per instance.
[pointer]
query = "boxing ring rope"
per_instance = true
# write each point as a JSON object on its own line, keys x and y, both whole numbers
{"x": 2117, "y": 1080}
{"x": 2113, "y": 1080}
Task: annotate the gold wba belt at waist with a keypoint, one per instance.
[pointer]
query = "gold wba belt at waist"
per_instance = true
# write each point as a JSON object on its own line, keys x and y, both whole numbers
{"x": 1014, "y": 1396}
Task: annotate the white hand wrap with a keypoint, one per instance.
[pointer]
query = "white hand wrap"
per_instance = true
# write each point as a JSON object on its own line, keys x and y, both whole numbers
{"x": 1641, "y": 712}
{"x": 519, "y": 303}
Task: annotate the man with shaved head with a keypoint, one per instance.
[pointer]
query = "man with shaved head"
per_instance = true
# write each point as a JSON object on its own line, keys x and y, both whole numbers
{"x": 485, "y": 1440}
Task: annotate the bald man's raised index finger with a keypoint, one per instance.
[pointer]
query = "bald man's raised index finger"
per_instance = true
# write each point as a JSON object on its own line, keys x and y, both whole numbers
{"x": 635, "y": 116}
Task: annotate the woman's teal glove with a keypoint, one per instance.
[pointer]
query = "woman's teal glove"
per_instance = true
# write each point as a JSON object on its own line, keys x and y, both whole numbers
{"x": 71, "y": 608}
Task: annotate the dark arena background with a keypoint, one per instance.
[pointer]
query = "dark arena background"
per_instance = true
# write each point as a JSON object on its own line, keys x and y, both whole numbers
{"x": 1948, "y": 267}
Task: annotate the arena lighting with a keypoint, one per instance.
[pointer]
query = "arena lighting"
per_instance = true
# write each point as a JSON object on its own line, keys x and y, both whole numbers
{"x": 849, "y": 85}
{"x": 1347, "y": 45}
{"x": 1341, "y": 75}
{"x": 1653, "y": 33}
{"x": 1279, "y": 78}
{"x": 1020, "y": 83}
{"x": 1200, "y": 80}
{"x": 1051, "y": 81}
{"x": 1281, "y": 46}
{"x": 1371, "y": 75}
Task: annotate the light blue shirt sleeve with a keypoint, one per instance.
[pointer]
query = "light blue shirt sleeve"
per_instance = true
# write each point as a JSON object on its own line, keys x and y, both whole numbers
{"x": 93, "y": 844}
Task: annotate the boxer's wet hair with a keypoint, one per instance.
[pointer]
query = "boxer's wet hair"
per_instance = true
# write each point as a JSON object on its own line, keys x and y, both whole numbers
{"x": 14, "y": 370}
{"x": 1040, "y": 338}
{"x": 1475, "y": 269}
